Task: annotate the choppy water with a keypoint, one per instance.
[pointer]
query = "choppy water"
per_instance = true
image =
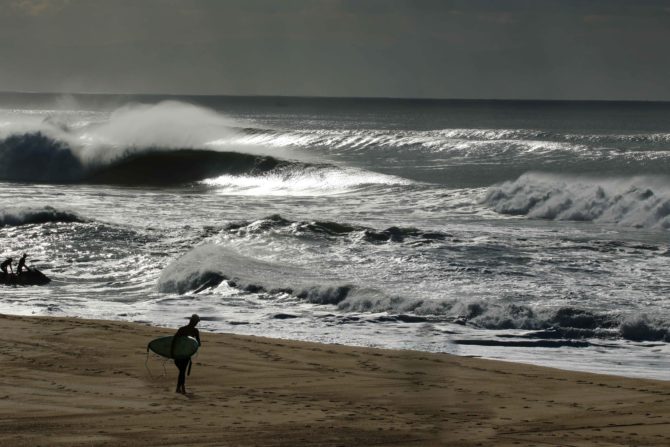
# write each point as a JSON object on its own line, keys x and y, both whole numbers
{"x": 526, "y": 231}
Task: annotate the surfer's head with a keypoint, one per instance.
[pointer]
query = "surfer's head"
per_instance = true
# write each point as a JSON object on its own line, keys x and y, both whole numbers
{"x": 194, "y": 320}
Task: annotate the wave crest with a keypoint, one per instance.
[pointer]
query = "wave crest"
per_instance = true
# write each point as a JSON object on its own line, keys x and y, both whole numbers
{"x": 38, "y": 158}
{"x": 301, "y": 179}
{"x": 317, "y": 228}
{"x": 642, "y": 202}
{"x": 27, "y": 216}
{"x": 208, "y": 265}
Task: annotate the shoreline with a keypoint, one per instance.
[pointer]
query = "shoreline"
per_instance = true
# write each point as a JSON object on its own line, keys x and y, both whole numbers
{"x": 71, "y": 381}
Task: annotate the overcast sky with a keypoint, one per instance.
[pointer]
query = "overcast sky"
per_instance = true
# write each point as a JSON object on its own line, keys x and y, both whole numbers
{"x": 531, "y": 49}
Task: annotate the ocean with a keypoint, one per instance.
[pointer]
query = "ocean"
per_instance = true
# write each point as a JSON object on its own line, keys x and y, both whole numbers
{"x": 527, "y": 231}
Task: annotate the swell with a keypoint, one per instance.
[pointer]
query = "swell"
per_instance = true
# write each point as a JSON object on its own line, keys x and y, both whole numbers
{"x": 478, "y": 157}
{"x": 154, "y": 166}
{"x": 27, "y": 216}
{"x": 207, "y": 266}
{"x": 449, "y": 140}
{"x": 328, "y": 229}
{"x": 34, "y": 157}
{"x": 243, "y": 255}
{"x": 641, "y": 202}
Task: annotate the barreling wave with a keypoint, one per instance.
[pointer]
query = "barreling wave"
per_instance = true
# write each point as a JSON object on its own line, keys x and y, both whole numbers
{"x": 165, "y": 143}
{"x": 38, "y": 158}
{"x": 642, "y": 202}
{"x": 27, "y": 216}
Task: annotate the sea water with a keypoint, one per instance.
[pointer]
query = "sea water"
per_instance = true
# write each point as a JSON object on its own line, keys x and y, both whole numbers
{"x": 525, "y": 231}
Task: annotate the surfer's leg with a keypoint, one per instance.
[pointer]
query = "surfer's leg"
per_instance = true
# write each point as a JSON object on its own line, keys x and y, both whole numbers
{"x": 181, "y": 381}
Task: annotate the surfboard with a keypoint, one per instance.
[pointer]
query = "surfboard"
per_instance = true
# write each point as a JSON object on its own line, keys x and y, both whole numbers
{"x": 184, "y": 348}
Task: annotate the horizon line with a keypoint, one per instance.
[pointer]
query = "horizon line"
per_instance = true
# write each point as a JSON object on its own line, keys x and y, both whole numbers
{"x": 387, "y": 98}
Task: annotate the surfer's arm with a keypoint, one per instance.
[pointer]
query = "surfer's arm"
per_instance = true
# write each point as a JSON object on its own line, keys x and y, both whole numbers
{"x": 174, "y": 341}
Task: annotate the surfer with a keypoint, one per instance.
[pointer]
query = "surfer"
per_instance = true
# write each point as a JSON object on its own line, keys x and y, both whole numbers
{"x": 7, "y": 263}
{"x": 185, "y": 331}
{"x": 22, "y": 264}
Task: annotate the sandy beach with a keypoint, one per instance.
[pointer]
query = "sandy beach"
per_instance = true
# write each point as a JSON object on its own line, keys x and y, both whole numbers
{"x": 84, "y": 383}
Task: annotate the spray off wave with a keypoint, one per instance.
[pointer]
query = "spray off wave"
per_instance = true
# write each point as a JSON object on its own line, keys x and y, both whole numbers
{"x": 164, "y": 144}
{"x": 642, "y": 202}
{"x": 304, "y": 180}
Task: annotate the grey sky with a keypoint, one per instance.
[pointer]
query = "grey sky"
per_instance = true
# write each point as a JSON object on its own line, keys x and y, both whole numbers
{"x": 562, "y": 49}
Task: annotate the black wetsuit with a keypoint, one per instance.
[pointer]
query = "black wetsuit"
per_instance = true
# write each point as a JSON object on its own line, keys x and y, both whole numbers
{"x": 182, "y": 364}
{"x": 21, "y": 266}
{"x": 3, "y": 266}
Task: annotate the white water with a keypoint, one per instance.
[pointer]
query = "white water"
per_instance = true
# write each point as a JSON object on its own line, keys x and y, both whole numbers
{"x": 381, "y": 244}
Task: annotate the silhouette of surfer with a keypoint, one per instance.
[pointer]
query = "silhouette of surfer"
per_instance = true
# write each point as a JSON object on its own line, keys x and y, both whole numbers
{"x": 185, "y": 331}
{"x": 22, "y": 264}
{"x": 7, "y": 263}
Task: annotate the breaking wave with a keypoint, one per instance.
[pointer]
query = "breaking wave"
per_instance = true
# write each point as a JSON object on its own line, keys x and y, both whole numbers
{"x": 27, "y": 216}
{"x": 301, "y": 180}
{"x": 642, "y": 202}
{"x": 38, "y": 158}
{"x": 207, "y": 266}
{"x": 331, "y": 229}
{"x": 164, "y": 144}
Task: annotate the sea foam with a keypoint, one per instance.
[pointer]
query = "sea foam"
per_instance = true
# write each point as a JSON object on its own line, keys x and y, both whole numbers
{"x": 634, "y": 202}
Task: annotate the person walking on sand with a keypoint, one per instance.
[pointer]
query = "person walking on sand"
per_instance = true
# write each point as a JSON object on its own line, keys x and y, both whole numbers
{"x": 22, "y": 264}
{"x": 185, "y": 331}
{"x": 7, "y": 263}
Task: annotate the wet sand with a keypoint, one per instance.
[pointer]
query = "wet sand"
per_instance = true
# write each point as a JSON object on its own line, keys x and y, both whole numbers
{"x": 73, "y": 382}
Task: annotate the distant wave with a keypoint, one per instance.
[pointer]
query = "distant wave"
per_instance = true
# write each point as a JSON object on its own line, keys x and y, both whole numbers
{"x": 165, "y": 143}
{"x": 38, "y": 158}
{"x": 27, "y": 216}
{"x": 331, "y": 229}
{"x": 452, "y": 140}
{"x": 642, "y": 202}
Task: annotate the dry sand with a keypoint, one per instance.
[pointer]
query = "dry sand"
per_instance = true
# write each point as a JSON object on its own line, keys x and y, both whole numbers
{"x": 84, "y": 382}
